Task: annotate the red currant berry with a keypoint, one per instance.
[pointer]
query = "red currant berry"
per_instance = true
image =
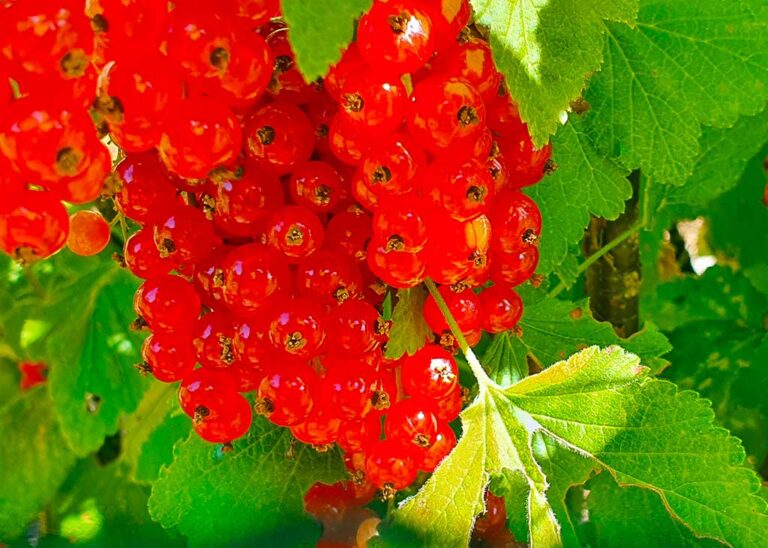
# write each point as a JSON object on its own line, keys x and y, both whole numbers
{"x": 399, "y": 269}
{"x": 527, "y": 164}
{"x": 223, "y": 420}
{"x": 209, "y": 277}
{"x": 360, "y": 434}
{"x": 286, "y": 395}
{"x": 142, "y": 257}
{"x": 430, "y": 373}
{"x": 169, "y": 356}
{"x": 200, "y": 135}
{"x": 464, "y": 189}
{"x": 89, "y": 233}
{"x": 349, "y": 386}
{"x": 371, "y": 104}
{"x": 501, "y": 308}
{"x": 320, "y": 428}
{"x": 472, "y": 60}
{"x": 349, "y": 231}
{"x": 141, "y": 189}
{"x": 287, "y": 82}
{"x": 345, "y": 141}
{"x": 167, "y": 303}
{"x": 515, "y": 268}
{"x": 214, "y": 339}
{"x": 448, "y": 19}
{"x": 353, "y": 327}
{"x": 252, "y": 274}
{"x": 443, "y": 110}
{"x": 445, "y": 441}
{"x": 411, "y": 421}
{"x": 295, "y": 231}
{"x": 33, "y": 225}
{"x": 464, "y": 306}
{"x": 316, "y": 185}
{"x": 389, "y": 167}
{"x": 205, "y": 385}
{"x": 516, "y": 222}
{"x": 297, "y": 327}
{"x": 280, "y": 136}
{"x": 391, "y": 465}
{"x": 329, "y": 275}
{"x": 184, "y": 235}
{"x": 494, "y": 516}
{"x": 401, "y": 223}
{"x": 457, "y": 250}
{"x": 396, "y": 36}
{"x": 251, "y": 342}
{"x": 448, "y": 408}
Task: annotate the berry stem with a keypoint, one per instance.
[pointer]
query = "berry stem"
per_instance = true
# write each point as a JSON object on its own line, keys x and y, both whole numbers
{"x": 482, "y": 377}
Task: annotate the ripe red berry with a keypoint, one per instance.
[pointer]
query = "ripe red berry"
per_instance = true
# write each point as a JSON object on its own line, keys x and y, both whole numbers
{"x": 287, "y": 82}
{"x": 199, "y": 136}
{"x": 142, "y": 257}
{"x": 527, "y": 164}
{"x": 445, "y": 441}
{"x": 443, "y": 110}
{"x": 250, "y": 343}
{"x": 448, "y": 18}
{"x": 320, "y": 427}
{"x": 349, "y": 386}
{"x": 360, "y": 434}
{"x": 141, "y": 189}
{"x": 472, "y": 60}
{"x": 373, "y": 104}
{"x": 295, "y": 231}
{"x": 286, "y": 395}
{"x": 465, "y": 189}
{"x": 389, "y": 166}
{"x": 209, "y": 277}
{"x": 345, "y": 141}
{"x": 33, "y": 225}
{"x": 214, "y": 339}
{"x": 448, "y": 408}
{"x": 222, "y": 420}
{"x": 184, "y": 235}
{"x": 516, "y": 222}
{"x": 349, "y": 231}
{"x": 412, "y": 421}
{"x": 330, "y": 276}
{"x": 316, "y": 185}
{"x": 89, "y": 233}
{"x": 402, "y": 223}
{"x": 279, "y": 135}
{"x": 391, "y": 465}
{"x": 515, "y": 268}
{"x": 464, "y": 306}
{"x": 252, "y": 274}
{"x": 297, "y": 327}
{"x": 399, "y": 269}
{"x": 205, "y": 384}
{"x": 457, "y": 250}
{"x": 501, "y": 308}
{"x": 430, "y": 373}
{"x": 353, "y": 328}
{"x": 396, "y": 36}
{"x": 169, "y": 356}
{"x": 167, "y": 303}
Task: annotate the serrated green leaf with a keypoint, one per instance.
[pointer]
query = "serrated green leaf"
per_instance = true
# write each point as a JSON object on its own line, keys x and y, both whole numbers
{"x": 409, "y": 329}
{"x": 631, "y": 517}
{"x": 602, "y": 405}
{"x": 647, "y": 434}
{"x": 684, "y": 65}
{"x": 34, "y": 457}
{"x": 585, "y": 183}
{"x": 149, "y": 433}
{"x": 319, "y": 34}
{"x": 249, "y": 495}
{"x": 547, "y": 49}
{"x": 92, "y": 354}
{"x": 553, "y": 329}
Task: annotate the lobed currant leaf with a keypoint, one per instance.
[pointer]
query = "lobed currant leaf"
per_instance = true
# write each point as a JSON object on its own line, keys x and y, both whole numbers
{"x": 36, "y": 452}
{"x": 246, "y": 494}
{"x": 547, "y": 50}
{"x": 682, "y": 66}
{"x": 409, "y": 329}
{"x": 602, "y": 405}
{"x": 319, "y": 36}
{"x": 585, "y": 183}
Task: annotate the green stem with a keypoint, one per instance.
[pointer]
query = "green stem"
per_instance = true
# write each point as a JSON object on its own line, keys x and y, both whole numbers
{"x": 482, "y": 377}
{"x": 599, "y": 254}
{"x": 34, "y": 283}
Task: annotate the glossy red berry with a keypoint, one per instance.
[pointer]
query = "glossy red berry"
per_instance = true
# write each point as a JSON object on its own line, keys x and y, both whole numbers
{"x": 448, "y": 408}
{"x": 223, "y": 420}
{"x": 89, "y": 233}
{"x": 250, "y": 343}
{"x": 444, "y": 110}
{"x": 472, "y": 60}
{"x": 169, "y": 356}
{"x": 202, "y": 385}
{"x": 464, "y": 306}
{"x": 320, "y": 427}
{"x": 349, "y": 231}
{"x": 527, "y": 164}
{"x": 316, "y": 185}
{"x": 33, "y": 225}
{"x": 214, "y": 339}
{"x": 279, "y": 135}
{"x": 391, "y": 465}
{"x": 396, "y": 36}
{"x": 515, "y": 268}
{"x": 142, "y": 257}
{"x": 209, "y": 277}
{"x": 287, "y": 82}
{"x": 389, "y": 167}
{"x": 201, "y": 135}
{"x": 448, "y": 18}
{"x": 184, "y": 235}
{"x": 373, "y": 104}
{"x": 430, "y": 373}
{"x": 167, "y": 303}
{"x": 295, "y": 231}
{"x": 464, "y": 189}
{"x": 286, "y": 395}
{"x": 349, "y": 386}
{"x": 252, "y": 275}
{"x": 122, "y": 24}
{"x": 501, "y": 308}
{"x": 402, "y": 223}
{"x": 443, "y": 444}
{"x": 345, "y": 141}
{"x": 360, "y": 434}
{"x": 329, "y": 276}
{"x": 353, "y": 328}
{"x": 297, "y": 327}
{"x": 412, "y": 421}
{"x": 457, "y": 250}
{"x": 401, "y": 269}
{"x": 141, "y": 189}
{"x": 516, "y": 222}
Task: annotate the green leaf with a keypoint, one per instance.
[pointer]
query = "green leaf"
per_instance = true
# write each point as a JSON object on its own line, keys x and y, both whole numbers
{"x": 647, "y": 434}
{"x": 552, "y": 330}
{"x": 602, "y": 405}
{"x": 249, "y": 495}
{"x": 409, "y": 329}
{"x": 35, "y": 459}
{"x": 319, "y": 34}
{"x": 547, "y": 49}
{"x": 92, "y": 354}
{"x": 149, "y": 433}
{"x": 684, "y": 65}
{"x": 631, "y": 517}
{"x": 585, "y": 183}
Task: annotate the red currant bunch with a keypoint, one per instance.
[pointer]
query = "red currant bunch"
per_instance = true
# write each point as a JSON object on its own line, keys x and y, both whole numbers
{"x": 272, "y": 216}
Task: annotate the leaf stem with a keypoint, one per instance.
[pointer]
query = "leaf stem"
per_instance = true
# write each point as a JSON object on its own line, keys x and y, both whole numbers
{"x": 592, "y": 259}
{"x": 483, "y": 379}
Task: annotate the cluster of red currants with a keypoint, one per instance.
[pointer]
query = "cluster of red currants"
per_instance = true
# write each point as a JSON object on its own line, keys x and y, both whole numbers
{"x": 273, "y": 214}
